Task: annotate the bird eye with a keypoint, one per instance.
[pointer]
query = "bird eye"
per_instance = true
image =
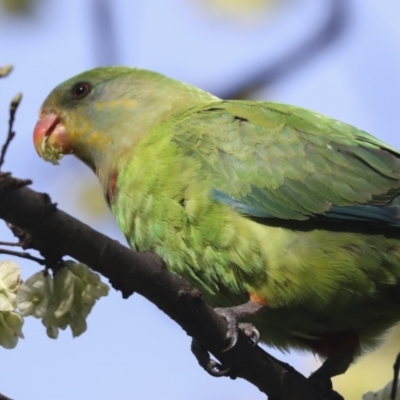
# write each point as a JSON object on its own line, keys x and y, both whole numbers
{"x": 81, "y": 90}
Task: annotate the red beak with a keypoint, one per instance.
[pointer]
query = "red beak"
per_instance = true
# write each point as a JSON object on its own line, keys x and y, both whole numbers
{"x": 50, "y": 136}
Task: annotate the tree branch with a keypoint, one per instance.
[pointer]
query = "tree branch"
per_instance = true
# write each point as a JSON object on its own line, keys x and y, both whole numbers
{"x": 55, "y": 234}
{"x": 22, "y": 254}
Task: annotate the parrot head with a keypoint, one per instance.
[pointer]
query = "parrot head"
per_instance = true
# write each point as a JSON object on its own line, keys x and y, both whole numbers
{"x": 101, "y": 113}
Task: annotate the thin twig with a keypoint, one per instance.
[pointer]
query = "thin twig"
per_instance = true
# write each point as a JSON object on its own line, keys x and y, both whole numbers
{"x": 10, "y": 136}
{"x": 14, "y": 244}
{"x": 25, "y": 255}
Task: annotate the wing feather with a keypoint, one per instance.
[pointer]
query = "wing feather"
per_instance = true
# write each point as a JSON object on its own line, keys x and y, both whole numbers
{"x": 271, "y": 160}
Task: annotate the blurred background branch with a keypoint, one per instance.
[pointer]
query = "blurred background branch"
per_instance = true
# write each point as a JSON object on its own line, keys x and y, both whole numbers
{"x": 104, "y": 37}
{"x": 333, "y": 28}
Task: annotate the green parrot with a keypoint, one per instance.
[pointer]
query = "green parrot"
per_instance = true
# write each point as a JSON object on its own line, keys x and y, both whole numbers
{"x": 283, "y": 217}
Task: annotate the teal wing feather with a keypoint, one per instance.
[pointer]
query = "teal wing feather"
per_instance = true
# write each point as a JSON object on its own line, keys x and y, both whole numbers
{"x": 270, "y": 160}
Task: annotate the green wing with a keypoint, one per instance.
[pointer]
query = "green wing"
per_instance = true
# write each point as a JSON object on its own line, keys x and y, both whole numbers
{"x": 272, "y": 160}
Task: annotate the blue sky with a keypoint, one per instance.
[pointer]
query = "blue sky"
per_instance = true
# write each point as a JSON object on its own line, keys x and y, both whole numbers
{"x": 131, "y": 350}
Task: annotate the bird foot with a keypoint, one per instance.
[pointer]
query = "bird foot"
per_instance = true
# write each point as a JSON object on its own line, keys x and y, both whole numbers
{"x": 213, "y": 367}
{"x": 251, "y": 332}
{"x": 325, "y": 390}
{"x": 331, "y": 367}
{"x": 232, "y": 315}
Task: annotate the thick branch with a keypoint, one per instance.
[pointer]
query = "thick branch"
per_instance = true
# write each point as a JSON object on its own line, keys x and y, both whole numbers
{"x": 55, "y": 232}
